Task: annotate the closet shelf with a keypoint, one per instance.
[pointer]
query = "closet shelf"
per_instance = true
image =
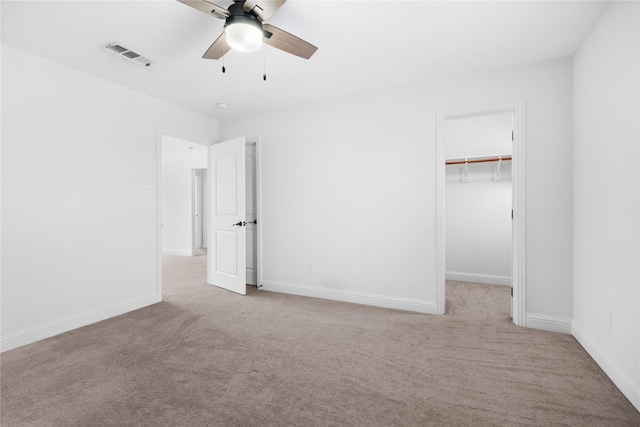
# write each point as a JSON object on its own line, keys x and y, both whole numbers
{"x": 477, "y": 159}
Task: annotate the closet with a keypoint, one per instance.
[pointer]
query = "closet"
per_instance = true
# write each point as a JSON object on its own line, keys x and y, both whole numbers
{"x": 478, "y": 199}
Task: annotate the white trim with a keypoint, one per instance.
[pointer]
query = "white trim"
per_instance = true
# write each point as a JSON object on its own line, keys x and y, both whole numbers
{"x": 489, "y": 279}
{"x": 180, "y": 252}
{"x": 159, "y": 211}
{"x": 428, "y": 307}
{"x": 518, "y": 260}
{"x": 518, "y": 201}
{"x": 51, "y": 329}
{"x": 549, "y": 323}
{"x": 440, "y": 216}
{"x": 627, "y": 385}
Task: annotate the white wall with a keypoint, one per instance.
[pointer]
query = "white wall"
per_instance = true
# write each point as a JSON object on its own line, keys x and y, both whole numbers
{"x": 478, "y": 224}
{"x": 606, "y": 196}
{"x": 349, "y": 185}
{"x": 79, "y": 236}
{"x": 479, "y": 136}
{"x": 179, "y": 158}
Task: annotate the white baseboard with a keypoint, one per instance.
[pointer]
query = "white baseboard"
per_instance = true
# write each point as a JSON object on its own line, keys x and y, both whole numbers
{"x": 51, "y": 329}
{"x": 548, "y": 323}
{"x": 180, "y": 252}
{"x": 628, "y": 387}
{"x": 490, "y": 279}
{"x": 428, "y": 307}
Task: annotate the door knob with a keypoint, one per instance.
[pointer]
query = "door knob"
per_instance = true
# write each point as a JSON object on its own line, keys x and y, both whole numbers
{"x": 255, "y": 221}
{"x": 240, "y": 223}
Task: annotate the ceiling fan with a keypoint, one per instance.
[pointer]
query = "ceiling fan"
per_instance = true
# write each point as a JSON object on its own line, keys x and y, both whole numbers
{"x": 245, "y": 30}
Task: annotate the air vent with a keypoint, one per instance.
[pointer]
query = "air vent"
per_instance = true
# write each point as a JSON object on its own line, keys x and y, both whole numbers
{"x": 130, "y": 55}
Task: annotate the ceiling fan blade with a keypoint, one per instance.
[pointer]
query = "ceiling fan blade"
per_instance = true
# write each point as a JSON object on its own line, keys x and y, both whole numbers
{"x": 262, "y": 9}
{"x": 218, "y": 48}
{"x": 289, "y": 43}
{"x": 207, "y": 7}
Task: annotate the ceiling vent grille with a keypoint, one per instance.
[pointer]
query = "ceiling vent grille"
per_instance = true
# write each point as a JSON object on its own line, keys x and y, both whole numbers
{"x": 130, "y": 55}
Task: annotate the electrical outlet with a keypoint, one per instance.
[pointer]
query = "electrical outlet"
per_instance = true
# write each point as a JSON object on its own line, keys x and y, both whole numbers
{"x": 310, "y": 268}
{"x": 607, "y": 320}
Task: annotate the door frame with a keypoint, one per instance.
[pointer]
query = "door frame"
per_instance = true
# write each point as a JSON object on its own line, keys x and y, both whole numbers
{"x": 258, "y": 189}
{"x": 518, "y": 202}
{"x": 160, "y": 132}
{"x": 194, "y": 226}
{"x": 248, "y": 142}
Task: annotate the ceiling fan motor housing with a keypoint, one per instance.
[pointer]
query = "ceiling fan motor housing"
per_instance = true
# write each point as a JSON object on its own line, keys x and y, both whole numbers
{"x": 239, "y": 15}
{"x": 246, "y": 18}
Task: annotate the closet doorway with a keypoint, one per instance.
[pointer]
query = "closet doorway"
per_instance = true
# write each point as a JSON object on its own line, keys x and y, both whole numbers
{"x": 480, "y": 195}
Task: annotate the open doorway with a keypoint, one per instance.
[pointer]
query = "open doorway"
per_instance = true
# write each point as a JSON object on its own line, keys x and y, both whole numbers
{"x": 180, "y": 161}
{"x": 189, "y": 183}
{"x": 478, "y": 190}
{"x": 180, "y": 260}
{"x": 480, "y": 230}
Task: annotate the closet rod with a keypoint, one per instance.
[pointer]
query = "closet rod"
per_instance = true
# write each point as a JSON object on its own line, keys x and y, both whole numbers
{"x": 477, "y": 160}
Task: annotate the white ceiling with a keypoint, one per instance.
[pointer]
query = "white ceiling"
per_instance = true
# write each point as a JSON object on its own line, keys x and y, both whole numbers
{"x": 363, "y": 45}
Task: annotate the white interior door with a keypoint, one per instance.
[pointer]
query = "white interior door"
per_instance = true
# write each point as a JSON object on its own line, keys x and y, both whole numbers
{"x": 226, "y": 256}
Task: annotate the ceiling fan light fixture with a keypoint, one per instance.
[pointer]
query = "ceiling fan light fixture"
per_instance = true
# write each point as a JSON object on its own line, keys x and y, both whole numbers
{"x": 244, "y": 35}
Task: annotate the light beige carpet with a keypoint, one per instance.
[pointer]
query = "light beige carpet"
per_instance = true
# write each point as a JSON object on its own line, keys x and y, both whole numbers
{"x": 207, "y": 357}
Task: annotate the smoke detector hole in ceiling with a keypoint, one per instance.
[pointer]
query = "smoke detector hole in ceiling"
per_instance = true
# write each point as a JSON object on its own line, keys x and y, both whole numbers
{"x": 130, "y": 55}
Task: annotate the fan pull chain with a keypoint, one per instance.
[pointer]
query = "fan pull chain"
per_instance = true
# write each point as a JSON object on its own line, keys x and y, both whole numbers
{"x": 224, "y": 47}
{"x": 264, "y": 76}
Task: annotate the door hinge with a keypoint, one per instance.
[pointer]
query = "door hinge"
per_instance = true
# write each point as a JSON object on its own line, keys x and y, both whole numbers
{"x": 511, "y": 292}
{"x": 512, "y": 135}
{"x": 511, "y": 213}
